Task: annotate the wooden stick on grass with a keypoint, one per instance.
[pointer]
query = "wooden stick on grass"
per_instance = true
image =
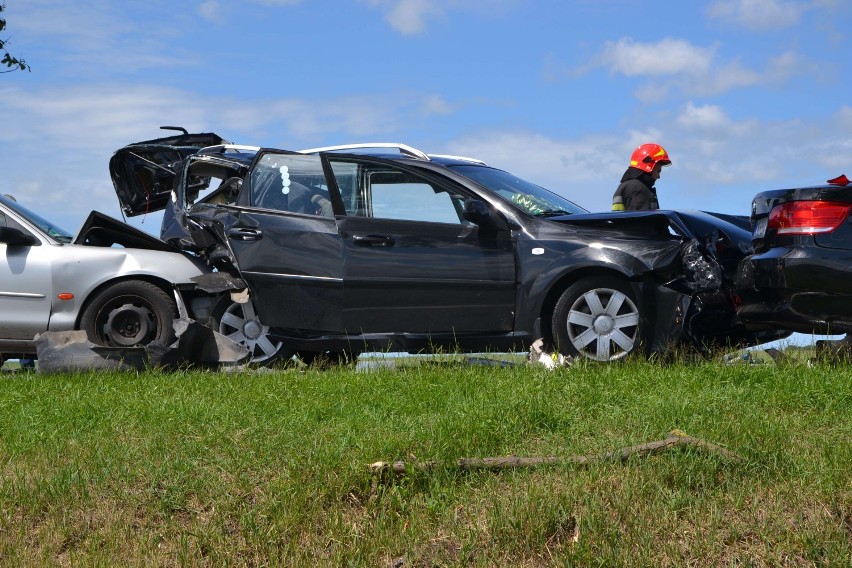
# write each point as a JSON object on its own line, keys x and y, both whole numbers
{"x": 675, "y": 439}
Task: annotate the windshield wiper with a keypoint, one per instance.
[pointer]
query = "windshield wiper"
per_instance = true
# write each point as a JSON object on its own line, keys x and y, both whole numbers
{"x": 551, "y": 213}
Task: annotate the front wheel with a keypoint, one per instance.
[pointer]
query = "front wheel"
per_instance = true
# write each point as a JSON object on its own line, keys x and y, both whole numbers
{"x": 597, "y": 318}
{"x": 239, "y": 323}
{"x": 131, "y": 313}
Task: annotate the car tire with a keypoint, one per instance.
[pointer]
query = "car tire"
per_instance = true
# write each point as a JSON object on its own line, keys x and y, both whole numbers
{"x": 239, "y": 323}
{"x": 597, "y": 318}
{"x": 130, "y": 313}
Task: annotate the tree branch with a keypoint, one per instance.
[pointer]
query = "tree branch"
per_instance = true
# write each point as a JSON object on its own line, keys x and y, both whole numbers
{"x": 675, "y": 439}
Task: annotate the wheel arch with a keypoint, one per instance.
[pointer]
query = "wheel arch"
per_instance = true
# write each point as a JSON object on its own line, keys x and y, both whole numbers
{"x": 166, "y": 286}
{"x": 560, "y": 284}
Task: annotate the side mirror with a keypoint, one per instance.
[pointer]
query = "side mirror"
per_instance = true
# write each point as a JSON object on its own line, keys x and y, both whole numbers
{"x": 479, "y": 213}
{"x": 17, "y": 238}
{"x": 476, "y": 211}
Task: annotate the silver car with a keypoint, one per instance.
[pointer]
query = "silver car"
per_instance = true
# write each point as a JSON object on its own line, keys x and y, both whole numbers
{"x": 121, "y": 285}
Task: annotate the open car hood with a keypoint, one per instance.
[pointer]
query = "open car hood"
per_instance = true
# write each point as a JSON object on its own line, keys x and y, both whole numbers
{"x": 103, "y": 231}
{"x": 143, "y": 173}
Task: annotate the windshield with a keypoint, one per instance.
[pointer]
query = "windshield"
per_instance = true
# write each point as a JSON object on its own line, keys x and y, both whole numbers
{"x": 52, "y": 230}
{"x": 528, "y": 197}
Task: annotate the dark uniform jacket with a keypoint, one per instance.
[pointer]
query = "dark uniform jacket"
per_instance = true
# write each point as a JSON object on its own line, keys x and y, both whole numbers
{"x": 636, "y": 192}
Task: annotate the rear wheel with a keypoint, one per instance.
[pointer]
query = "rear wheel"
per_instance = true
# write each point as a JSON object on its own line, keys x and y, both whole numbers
{"x": 239, "y": 323}
{"x": 597, "y": 318}
{"x": 131, "y": 313}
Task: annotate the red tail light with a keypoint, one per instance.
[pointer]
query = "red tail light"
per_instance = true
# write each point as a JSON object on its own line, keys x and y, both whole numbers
{"x": 808, "y": 217}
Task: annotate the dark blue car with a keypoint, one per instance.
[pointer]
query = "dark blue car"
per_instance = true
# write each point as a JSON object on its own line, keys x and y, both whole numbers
{"x": 800, "y": 275}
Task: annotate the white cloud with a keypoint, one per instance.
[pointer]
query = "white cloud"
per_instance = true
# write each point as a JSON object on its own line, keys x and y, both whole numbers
{"x": 758, "y": 14}
{"x": 674, "y": 65}
{"x": 408, "y": 17}
{"x": 706, "y": 117}
{"x": 727, "y": 77}
{"x": 844, "y": 118}
{"x": 435, "y": 105}
{"x": 666, "y": 57}
{"x": 93, "y": 37}
{"x": 210, "y": 10}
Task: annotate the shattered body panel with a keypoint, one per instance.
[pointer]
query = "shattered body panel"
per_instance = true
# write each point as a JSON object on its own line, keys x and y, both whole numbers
{"x": 352, "y": 252}
{"x": 800, "y": 281}
{"x": 195, "y": 345}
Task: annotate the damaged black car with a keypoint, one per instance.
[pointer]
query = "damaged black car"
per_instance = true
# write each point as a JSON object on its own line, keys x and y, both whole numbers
{"x": 380, "y": 247}
{"x": 800, "y": 274}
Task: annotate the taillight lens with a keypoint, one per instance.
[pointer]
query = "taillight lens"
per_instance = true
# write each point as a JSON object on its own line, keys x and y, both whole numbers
{"x": 808, "y": 217}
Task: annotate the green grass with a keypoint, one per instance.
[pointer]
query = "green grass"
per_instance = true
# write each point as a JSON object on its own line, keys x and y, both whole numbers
{"x": 270, "y": 468}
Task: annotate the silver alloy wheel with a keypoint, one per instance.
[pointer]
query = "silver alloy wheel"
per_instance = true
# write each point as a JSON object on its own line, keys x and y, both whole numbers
{"x": 239, "y": 323}
{"x": 603, "y": 324}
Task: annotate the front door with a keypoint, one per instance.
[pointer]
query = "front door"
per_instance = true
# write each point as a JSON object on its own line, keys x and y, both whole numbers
{"x": 411, "y": 263}
{"x": 26, "y": 286}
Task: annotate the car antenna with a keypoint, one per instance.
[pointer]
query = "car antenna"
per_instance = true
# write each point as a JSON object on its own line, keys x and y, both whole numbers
{"x": 178, "y": 128}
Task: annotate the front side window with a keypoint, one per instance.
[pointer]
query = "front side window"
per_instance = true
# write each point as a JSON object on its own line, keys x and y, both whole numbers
{"x": 384, "y": 192}
{"x": 290, "y": 182}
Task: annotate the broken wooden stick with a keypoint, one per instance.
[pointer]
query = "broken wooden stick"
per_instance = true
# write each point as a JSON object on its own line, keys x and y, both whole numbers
{"x": 675, "y": 439}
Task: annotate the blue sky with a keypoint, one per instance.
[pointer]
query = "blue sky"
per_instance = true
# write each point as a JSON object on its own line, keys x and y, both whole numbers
{"x": 745, "y": 95}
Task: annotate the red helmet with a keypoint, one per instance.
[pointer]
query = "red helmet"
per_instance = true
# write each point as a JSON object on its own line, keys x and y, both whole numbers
{"x": 646, "y": 156}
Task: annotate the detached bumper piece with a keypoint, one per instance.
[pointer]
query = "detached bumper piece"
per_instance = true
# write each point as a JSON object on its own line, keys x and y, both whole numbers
{"x": 197, "y": 346}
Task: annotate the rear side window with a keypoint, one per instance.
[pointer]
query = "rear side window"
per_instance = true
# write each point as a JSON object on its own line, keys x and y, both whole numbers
{"x": 383, "y": 192}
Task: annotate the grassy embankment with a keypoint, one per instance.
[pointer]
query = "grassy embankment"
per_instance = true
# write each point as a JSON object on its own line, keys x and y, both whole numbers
{"x": 270, "y": 468}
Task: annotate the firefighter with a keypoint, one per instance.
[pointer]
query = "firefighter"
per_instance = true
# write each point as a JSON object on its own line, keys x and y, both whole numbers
{"x": 636, "y": 190}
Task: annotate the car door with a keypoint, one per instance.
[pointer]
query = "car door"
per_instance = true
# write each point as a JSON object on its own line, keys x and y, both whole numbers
{"x": 285, "y": 240}
{"x": 25, "y": 284}
{"x": 411, "y": 263}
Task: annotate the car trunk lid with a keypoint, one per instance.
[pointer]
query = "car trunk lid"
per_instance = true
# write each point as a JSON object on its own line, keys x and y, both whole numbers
{"x": 786, "y": 217}
{"x": 143, "y": 173}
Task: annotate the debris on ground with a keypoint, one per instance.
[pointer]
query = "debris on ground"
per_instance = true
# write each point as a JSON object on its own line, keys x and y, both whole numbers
{"x": 551, "y": 360}
{"x": 196, "y": 346}
{"x": 675, "y": 439}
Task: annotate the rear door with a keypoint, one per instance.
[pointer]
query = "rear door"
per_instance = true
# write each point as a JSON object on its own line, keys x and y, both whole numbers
{"x": 285, "y": 240}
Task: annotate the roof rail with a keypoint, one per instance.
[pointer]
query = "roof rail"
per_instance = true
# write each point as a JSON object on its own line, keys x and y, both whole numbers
{"x": 403, "y": 149}
{"x": 225, "y": 148}
{"x": 460, "y": 158}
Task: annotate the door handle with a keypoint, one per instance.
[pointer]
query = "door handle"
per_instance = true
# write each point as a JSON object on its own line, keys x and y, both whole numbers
{"x": 373, "y": 241}
{"x": 240, "y": 234}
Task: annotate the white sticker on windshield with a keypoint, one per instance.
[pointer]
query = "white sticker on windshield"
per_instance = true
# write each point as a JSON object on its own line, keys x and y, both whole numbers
{"x": 285, "y": 179}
